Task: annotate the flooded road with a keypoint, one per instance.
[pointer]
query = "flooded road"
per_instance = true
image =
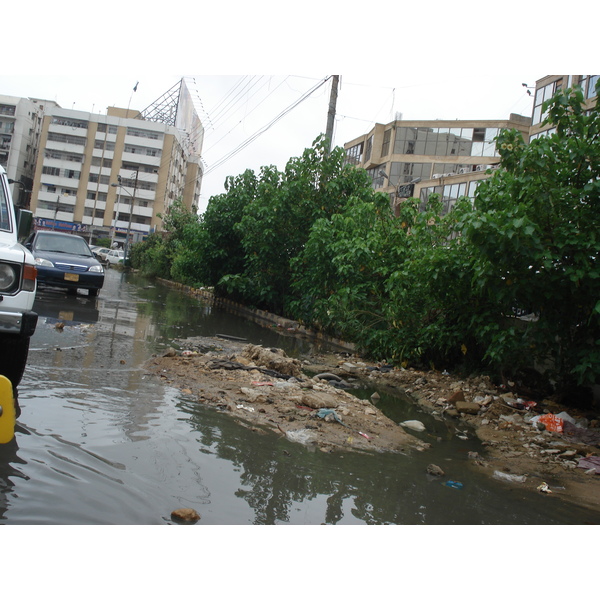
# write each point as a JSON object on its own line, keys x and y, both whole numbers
{"x": 101, "y": 442}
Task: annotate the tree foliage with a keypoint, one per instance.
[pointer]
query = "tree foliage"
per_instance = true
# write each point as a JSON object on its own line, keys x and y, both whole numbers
{"x": 315, "y": 242}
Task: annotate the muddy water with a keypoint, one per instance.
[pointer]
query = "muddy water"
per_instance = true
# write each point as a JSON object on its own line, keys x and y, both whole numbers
{"x": 100, "y": 442}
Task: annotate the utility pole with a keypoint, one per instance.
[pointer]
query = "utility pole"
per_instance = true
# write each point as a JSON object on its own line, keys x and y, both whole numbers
{"x": 331, "y": 112}
{"x": 130, "y": 215}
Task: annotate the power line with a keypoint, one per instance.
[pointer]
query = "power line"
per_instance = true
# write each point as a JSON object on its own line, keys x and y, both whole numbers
{"x": 248, "y": 114}
{"x": 258, "y": 133}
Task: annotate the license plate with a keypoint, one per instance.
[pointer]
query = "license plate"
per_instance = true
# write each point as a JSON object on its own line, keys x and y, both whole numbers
{"x": 71, "y": 277}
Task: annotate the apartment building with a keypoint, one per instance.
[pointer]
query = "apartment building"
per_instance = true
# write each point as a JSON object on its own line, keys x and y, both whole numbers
{"x": 418, "y": 158}
{"x": 111, "y": 175}
{"x": 20, "y": 129}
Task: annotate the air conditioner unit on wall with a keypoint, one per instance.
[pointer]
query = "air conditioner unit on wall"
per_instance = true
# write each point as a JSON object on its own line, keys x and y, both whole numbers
{"x": 464, "y": 170}
{"x": 482, "y": 167}
{"x": 437, "y": 175}
{"x": 449, "y": 174}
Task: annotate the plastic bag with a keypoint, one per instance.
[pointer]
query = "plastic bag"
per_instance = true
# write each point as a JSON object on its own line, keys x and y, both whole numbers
{"x": 510, "y": 477}
{"x": 552, "y": 422}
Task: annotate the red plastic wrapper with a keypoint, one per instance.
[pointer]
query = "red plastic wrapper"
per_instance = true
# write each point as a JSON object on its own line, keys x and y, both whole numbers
{"x": 552, "y": 423}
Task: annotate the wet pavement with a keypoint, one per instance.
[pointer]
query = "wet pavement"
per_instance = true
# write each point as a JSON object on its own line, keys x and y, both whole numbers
{"x": 99, "y": 441}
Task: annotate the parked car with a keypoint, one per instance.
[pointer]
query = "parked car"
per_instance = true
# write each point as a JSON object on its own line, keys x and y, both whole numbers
{"x": 17, "y": 287}
{"x": 115, "y": 257}
{"x": 100, "y": 253}
{"x": 65, "y": 260}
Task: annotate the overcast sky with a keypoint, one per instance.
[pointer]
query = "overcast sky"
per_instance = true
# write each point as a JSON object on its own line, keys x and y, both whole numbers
{"x": 248, "y": 66}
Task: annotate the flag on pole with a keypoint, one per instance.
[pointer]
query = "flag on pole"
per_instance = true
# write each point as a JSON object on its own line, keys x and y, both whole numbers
{"x": 135, "y": 86}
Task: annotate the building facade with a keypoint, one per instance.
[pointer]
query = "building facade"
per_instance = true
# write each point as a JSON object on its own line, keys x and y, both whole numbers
{"x": 449, "y": 158}
{"x": 20, "y": 130}
{"x": 418, "y": 158}
{"x": 111, "y": 175}
{"x": 546, "y": 87}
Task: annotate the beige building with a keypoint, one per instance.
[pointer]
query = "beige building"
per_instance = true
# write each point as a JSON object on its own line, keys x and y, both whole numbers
{"x": 546, "y": 87}
{"x": 114, "y": 174}
{"x": 418, "y": 158}
{"x": 450, "y": 158}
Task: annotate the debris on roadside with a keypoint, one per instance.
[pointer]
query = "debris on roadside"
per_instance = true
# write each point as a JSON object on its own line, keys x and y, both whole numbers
{"x": 435, "y": 470}
{"x": 510, "y": 477}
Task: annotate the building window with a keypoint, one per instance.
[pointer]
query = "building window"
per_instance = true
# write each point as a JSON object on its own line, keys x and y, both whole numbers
{"x": 69, "y": 122}
{"x": 7, "y": 109}
{"x": 446, "y": 141}
{"x": 369, "y": 149}
{"x": 143, "y": 133}
{"x": 376, "y": 178}
{"x": 385, "y": 148}
{"x": 54, "y": 171}
{"x": 354, "y": 155}
{"x": 405, "y": 172}
{"x": 66, "y": 139}
{"x": 541, "y": 95}
{"x": 588, "y": 85}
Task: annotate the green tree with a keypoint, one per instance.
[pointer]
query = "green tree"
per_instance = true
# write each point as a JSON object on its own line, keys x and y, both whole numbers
{"x": 535, "y": 239}
{"x": 276, "y": 224}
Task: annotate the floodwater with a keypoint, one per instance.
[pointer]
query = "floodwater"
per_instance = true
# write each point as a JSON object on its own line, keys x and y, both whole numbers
{"x": 99, "y": 441}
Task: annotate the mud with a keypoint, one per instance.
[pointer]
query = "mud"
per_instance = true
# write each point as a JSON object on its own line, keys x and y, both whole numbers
{"x": 304, "y": 400}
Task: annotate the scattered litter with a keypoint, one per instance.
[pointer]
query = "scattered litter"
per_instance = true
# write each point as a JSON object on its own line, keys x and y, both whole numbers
{"x": 262, "y": 383}
{"x": 543, "y": 487}
{"x": 509, "y": 477}
{"x": 552, "y": 422}
{"x": 364, "y": 435}
{"x": 328, "y": 414}
{"x": 435, "y": 470}
{"x": 248, "y": 408}
{"x": 457, "y": 485}
{"x": 300, "y": 436}
{"x": 589, "y": 463}
{"x": 416, "y": 425}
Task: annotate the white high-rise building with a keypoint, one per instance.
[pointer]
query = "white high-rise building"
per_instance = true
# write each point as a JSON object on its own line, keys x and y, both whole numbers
{"x": 20, "y": 129}
{"x": 115, "y": 174}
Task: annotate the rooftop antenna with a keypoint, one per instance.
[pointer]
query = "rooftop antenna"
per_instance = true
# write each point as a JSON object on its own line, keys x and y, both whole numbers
{"x": 130, "y": 97}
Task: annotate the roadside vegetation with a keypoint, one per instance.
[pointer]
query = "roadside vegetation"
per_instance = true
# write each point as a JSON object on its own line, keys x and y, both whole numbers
{"x": 315, "y": 243}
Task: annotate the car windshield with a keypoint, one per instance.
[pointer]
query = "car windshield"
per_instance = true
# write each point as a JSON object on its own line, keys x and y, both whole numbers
{"x": 66, "y": 244}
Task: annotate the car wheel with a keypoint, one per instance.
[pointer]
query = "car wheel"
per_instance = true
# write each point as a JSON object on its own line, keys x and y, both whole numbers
{"x": 93, "y": 292}
{"x": 13, "y": 357}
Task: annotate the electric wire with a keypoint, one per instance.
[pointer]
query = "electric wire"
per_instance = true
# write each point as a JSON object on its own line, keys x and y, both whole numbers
{"x": 265, "y": 128}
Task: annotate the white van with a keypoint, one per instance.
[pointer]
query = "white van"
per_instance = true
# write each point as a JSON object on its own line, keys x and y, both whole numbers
{"x": 18, "y": 284}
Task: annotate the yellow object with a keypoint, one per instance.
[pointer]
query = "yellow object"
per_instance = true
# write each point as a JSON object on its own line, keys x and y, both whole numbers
{"x": 7, "y": 415}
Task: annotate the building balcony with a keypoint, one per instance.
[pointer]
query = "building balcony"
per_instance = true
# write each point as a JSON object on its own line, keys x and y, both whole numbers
{"x": 150, "y": 176}
{"x": 66, "y": 130}
{"x": 100, "y": 170}
{"x": 144, "y": 142}
{"x": 106, "y": 154}
{"x": 61, "y": 215}
{"x": 98, "y": 221}
{"x": 142, "y": 159}
{"x": 94, "y": 186}
{"x": 70, "y": 183}
{"x": 65, "y": 147}
{"x": 97, "y": 204}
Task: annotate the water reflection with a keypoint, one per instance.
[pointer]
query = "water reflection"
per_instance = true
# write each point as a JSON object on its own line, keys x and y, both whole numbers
{"x": 117, "y": 446}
